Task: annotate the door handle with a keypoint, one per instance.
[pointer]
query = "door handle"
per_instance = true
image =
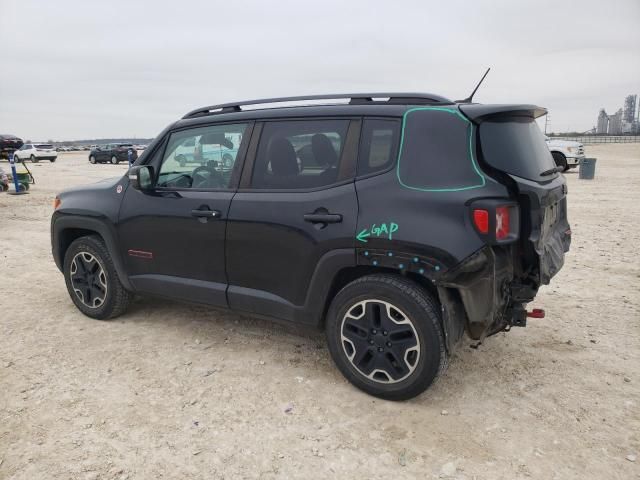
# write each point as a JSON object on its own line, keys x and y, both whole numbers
{"x": 323, "y": 217}
{"x": 205, "y": 213}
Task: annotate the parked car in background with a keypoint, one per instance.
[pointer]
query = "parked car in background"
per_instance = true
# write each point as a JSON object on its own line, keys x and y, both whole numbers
{"x": 194, "y": 150}
{"x": 36, "y": 152}
{"x": 9, "y": 144}
{"x": 112, "y": 152}
{"x": 567, "y": 154}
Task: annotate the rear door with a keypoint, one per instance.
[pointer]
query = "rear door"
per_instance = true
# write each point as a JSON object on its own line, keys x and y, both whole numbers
{"x": 173, "y": 239}
{"x": 297, "y": 204}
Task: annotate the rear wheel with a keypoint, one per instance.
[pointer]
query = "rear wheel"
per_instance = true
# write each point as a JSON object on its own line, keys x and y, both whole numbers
{"x": 92, "y": 281}
{"x": 15, "y": 158}
{"x": 384, "y": 334}
{"x": 34, "y": 159}
{"x": 561, "y": 160}
{"x": 114, "y": 160}
{"x": 52, "y": 160}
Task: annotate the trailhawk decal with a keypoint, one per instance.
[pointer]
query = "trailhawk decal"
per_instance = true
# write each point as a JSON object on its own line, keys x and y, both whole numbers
{"x": 382, "y": 230}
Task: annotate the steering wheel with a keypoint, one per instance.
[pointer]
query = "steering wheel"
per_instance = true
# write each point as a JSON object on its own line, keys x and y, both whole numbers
{"x": 207, "y": 177}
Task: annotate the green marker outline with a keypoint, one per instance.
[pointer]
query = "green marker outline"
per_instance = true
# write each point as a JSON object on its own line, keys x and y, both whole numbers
{"x": 471, "y": 156}
{"x": 368, "y": 232}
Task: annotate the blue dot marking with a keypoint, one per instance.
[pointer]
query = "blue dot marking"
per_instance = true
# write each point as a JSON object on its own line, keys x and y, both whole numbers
{"x": 401, "y": 265}
{"x": 375, "y": 262}
{"x": 390, "y": 254}
{"x": 366, "y": 254}
{"x": 421, "y": 270}
{"x": 437, "y": 268}
{"x": 415, "y": 259}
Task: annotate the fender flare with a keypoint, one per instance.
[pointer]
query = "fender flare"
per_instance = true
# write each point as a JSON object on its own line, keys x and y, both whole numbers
{"x": 100, "y": 226}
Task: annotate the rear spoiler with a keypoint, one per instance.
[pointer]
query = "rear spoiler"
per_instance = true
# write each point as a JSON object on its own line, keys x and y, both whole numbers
{"x": 478, "y": 112}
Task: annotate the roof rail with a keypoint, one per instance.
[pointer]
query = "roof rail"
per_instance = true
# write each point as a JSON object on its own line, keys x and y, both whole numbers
{"x": 354, "y": 98}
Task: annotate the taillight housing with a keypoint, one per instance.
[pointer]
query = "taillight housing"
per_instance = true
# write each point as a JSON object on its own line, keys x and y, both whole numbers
{"x": 497, "y": 221}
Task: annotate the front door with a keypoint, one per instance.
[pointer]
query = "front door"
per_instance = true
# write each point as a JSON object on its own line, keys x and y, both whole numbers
{"x": 299, "y": 204}
{"x": 173, "y": 239}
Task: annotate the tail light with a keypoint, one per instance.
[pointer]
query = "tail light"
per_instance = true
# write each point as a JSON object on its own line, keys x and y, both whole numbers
{"x": 502, "y": 223}
{"x": 481, "y": 220}
{"x": 497, "y": 221}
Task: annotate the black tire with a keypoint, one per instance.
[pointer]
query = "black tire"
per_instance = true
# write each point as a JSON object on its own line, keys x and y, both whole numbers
{"x": 116, "y": 297}
{"x": 561, "y": 160}
{"x": 52, "y": 160}
{"x": 114, "y": 160}
{"x": 409, "y": 302}
{"x": 34, "y": 159}
{"x": 92, "y": 159}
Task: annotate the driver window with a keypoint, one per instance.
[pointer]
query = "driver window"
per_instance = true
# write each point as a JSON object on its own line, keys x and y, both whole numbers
{"x": 201, "y": 157}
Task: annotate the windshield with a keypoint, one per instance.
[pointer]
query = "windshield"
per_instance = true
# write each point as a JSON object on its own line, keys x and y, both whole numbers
{"x": 517, "y": 146}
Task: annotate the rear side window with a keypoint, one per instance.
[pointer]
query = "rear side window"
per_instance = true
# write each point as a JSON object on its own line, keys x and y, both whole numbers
{"x": 516, "y": 145}
{"x": 299, "y": 154}
{"x": 437, "y": 151}
{"x": 378, "y": 145}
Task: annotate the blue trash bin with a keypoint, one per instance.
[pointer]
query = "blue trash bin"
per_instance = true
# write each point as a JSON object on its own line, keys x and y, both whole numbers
{"x": 587, "y": 169}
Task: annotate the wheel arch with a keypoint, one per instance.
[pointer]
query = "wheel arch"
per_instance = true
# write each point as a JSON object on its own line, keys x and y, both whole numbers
{"x": 452, "y": 322}
{"x": 66, "y": 229}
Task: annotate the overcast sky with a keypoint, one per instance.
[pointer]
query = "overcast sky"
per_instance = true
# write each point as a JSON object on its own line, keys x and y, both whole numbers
{"x": 74, "y": 69}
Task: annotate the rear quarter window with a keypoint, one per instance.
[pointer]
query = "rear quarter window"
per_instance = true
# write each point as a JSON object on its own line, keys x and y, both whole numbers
{"x": 437, "y": 151}
{"x": 378, "y": 145}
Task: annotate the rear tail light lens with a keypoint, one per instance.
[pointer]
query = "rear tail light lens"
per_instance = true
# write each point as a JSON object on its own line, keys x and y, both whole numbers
{"x": 481, "y": 220}
{"x": 502, "y": 223}
{"x": 495, "y": 220}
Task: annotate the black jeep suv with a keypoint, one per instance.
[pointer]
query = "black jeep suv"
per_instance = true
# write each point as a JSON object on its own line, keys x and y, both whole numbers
{"x": 395, "y": 222}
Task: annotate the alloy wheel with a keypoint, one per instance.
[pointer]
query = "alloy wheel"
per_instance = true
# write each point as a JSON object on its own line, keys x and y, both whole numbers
{"x": 88, "y": 279}
{"x": 380, "y": 341}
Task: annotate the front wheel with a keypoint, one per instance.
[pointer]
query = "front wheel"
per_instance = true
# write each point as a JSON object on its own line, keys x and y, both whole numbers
{"x": 92, "y": 281}
{"x": 561, "y": 160}
{"x": 34, "y": 159}
{"x": 92, "y": 159}
{"x": 114, "y": 160}
{"x": 384, "y": 334}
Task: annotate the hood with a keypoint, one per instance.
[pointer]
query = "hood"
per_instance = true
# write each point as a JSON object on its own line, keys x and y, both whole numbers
{"x": 553, "y": 142}
{"x": 105, "y": 184}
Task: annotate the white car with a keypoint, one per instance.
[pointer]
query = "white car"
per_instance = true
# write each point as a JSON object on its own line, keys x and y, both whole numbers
{"x": 36, "y": 152}
{"x": 567, "y": 154}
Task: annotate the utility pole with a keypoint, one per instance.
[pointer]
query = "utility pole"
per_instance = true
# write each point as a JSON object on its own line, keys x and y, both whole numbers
{"x": 546, "y": 122}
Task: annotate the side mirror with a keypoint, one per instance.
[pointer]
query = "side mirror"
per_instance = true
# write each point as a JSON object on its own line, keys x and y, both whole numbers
{"x": 141, "y": 177}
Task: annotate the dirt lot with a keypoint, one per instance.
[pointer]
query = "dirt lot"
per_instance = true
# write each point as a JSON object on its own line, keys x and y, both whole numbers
{"x": 177, "y": 391}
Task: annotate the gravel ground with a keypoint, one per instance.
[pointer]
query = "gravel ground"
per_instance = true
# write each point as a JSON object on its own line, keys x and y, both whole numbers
{"x": 177, "y": 391}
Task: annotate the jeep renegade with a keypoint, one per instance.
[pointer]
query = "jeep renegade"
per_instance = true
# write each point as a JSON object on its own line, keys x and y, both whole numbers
{"x": 396, "y": 222}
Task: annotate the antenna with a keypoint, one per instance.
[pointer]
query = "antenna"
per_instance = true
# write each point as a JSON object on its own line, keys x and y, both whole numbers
{"x": 470, "y": 97}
